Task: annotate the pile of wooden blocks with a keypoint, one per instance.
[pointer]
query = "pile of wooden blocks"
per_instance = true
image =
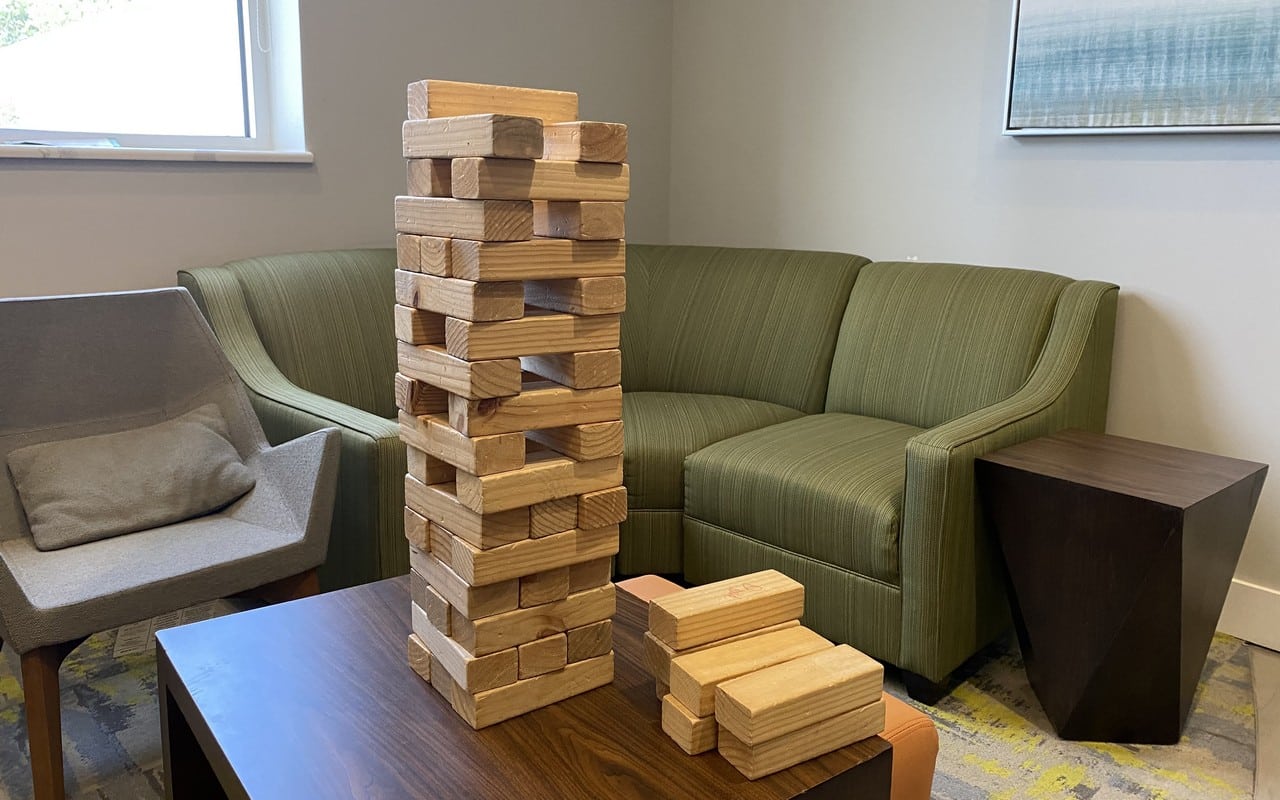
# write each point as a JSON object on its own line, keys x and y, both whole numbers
{"x": 509, "y": 287}
{"x": 736, "y": 670}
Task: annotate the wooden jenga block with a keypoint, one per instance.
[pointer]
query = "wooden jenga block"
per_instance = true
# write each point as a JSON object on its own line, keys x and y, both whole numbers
{"x": 589, "y": 641}
{"x": 584, "y": 296}
{"x": 540, "y": 404}
{"x": 694, "y": 734}
{"x": 589, "y": 574}
{"x": 583, "y": 442}
{"x": 785, "y": 751}
{"x": 497, "y": 135}
{"x": 484, "y": 635}
{"x": 725, "y": 608}
{"x": 458, "y": 298}
{"x": 432, "y": 365}
{"x": 694, "y": 676}
{"x": 548, "y": 654}
{"x": 478, "y": 455}
{"x": 537, "y": 259}
{"x": 509, "y": 179}
{"x": 586, "y": 220}
{"x": 428, "y": 469}
{"x": 439, "y": 503}
{"x": 586, "y": 370}
{"x": 435, "y": 255}
{"x": 440, "y": 545}
{"x": 521, "y": 697}
{"x": 584, "y": 141}
{"x": 428, "y": 177}
{"x": 408, "y": 252}
{"x": 486, "y": 220}
{"x": 788, "y": 696}
{"x": 436, "y": 608}
{"x": 442, "y": 683}
{"x": 603, "y": 507}
{"x": 475, "y": 602}
{"x": 416, "y": 530}
{"x": 659, "y": 655}
{"x": 482, "y": 567}
{"x": 435, "y": 98}
{"x": 419, "y": 657}
{"x": 544, "y": 587}
{"x": 545, "y": 476}
{"x": 553, "y": 516}
{"x": 419, "y": 399}
{"x": 417, "y": 585}
{"x": 418, "y": 327}
{"x": 472, "y": 674}
{"x": 531, "y": 335}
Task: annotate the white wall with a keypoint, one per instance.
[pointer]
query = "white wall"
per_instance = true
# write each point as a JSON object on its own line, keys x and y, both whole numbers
{"x": 874, "y": 127}
{"x": 96, "y": 226}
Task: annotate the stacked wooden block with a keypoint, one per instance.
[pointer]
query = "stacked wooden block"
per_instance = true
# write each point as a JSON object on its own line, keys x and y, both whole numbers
{"x": 736, "y": 670}
{"x": 509, "y": 287}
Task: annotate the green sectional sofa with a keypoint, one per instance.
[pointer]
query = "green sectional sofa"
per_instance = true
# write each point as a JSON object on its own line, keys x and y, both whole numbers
{"x": 810, "y": 412}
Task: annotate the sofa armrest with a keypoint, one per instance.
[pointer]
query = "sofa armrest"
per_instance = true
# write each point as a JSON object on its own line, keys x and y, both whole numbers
{"x": 297, "y": 481}
{"x": 953, "y": 594}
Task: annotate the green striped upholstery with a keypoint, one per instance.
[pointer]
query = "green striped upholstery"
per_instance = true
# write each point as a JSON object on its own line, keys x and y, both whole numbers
{"x": 926, "y": 343}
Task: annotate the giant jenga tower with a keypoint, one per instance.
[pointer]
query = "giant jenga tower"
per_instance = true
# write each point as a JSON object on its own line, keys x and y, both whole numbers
{"x": 509, "y": 287}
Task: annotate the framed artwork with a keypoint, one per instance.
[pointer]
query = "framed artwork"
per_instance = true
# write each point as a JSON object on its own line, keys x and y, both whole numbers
{"x": 1143, "y": 66}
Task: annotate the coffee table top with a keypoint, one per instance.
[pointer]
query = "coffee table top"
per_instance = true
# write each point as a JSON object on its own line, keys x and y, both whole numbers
{"x": 315, "y": 698}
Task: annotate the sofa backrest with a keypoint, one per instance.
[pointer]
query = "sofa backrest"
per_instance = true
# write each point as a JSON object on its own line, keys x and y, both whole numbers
{"x": 926, "y": 343}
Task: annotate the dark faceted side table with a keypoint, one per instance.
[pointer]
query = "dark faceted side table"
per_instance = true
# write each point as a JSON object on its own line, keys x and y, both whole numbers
{"x": 1119, "y": 556}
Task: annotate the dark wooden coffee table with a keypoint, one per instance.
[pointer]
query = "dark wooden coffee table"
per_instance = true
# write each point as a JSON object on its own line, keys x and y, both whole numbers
{"x": 315, "y": 699}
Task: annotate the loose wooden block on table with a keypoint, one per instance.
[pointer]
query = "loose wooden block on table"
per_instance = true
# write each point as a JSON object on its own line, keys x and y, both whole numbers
{"x": 481, "y": 567}
{"x": 583, "y": 220}
{"x": 545, "y": 476}
{"x": 544, "y": 587}
{"x": 788, "y": 750}
{"x": 548, "y": 654}
{"x": 470, "y": 601}
{"x": 521, "y": 697}
{"x": 587, "y": 370}
{"x": 485, "y": 220}
{"x": 416, "y": 529}
{"x": 586, "y": 296}
{"x": 497, "y": 135}
{"x": 694, "y": 734}
{"x": 433, "y": 365}
{"x": 478, "y": 455}
{"x": 554, "y": 516}
{"x": 717, "y": 610}
{"x": 419, "y": 399}
{"x": 536, "y": 259}
{"x": 428, "y": 177}
{"x": 458, "y": 298}
{"x": 786, "y": 697}
{"x": 534, "y": 334}
{"x": 540, "y": 404}
{"x": 439, "y": 503}
{"x": 415, "y": 326}
{"x": 436, "y": 98}
{"x": 589, "y": 574}
{"x": 603, "y": 507}
{"x": 694, "y": 676}
{"x": 490, "y": 634}
{"x": 589, "y": 641}
{"x": 583, "y": 442}
{"x": 584, "y": 141}
{"x": 470, "y": 673}
{"x": 659, "y": 655}
{"x": 509, "y": 179}
{"x": 419, "y": 657}
{"x": 426, "y": 468}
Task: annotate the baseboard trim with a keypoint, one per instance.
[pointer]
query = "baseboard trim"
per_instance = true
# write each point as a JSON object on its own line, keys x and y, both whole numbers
{"x": 1250, "y": 613}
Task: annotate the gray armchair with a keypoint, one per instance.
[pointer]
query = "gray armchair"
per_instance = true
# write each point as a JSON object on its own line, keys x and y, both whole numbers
{"x": 84, "y": 365}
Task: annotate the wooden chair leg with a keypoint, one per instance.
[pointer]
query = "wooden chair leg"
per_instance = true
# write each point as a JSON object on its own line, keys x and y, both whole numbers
{"x": 294, "y": 587}
{"x": 44, "y": 720}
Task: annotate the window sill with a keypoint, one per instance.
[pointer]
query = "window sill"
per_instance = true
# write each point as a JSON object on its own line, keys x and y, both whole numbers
{"x": 42, "y": 152}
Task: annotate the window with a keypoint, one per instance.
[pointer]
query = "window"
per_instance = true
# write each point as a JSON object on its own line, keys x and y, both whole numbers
{"x": 89, "y": 77}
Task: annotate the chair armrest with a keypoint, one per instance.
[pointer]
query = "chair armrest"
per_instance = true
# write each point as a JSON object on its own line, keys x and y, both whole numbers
{"x": 953, "y": 594}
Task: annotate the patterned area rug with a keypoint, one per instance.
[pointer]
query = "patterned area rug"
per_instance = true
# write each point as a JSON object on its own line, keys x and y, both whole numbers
{"x": 995, "y": 740}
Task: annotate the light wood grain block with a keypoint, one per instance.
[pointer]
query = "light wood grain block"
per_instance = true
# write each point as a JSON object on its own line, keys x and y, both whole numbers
{"x": 433, "y": 365}
{"x": 509, "y": 179}
{"x": 478, "y": 455}
{"x": 584, "y": 141}
{"x": 589, "y": 641}
{"x": 415, "y": 326}
{"x": 481, "y": 567}
{"x": 417, "y": 585}
{"x": 428, "y": 177}
{"x": 788, "y": 696}
{"x": 725, "y": 608}
{"x": 497, "y": 135}
{"x": 584, "y": 296}
{"x": 548, "y": 654}
{"x": 536, "y": 259}
{"x": 777, "y": 754}
{"x": 436, "y": 607}
{"x": 584, "y": 442}
{"x": 589, "y": 574}
{"x": 470, "y": 673}
{"x": 440, "y": 545}
{"x": 437, "y": 98}
{"x": 439, "y": 503}
{"x": 590, "y": 220}
{"x": 540, "y": 404}
{"x": 408, "y": 252}
{"x": 485, "y": 220}
{"x": 419, "y": 399}
{"x": 545, "y": 476}
{"x": 419, "y": 657}
{"x": 659, "y": 655}
{"x": 554, "y": 516}
{"x": 415, "y": 529}
{"x": 513, "y": 628}
{"x": 458, "y": 298}
{"x": 436, "y": 255}
{"x": 586, "y": 370}
{"x": 533, "y": 334}
{"x": 521, "y": 697}
{"x": 603, "y": 507}
{"x": 427, "y": 468}
{"x": 694, "y": 676}
{"x": 694, "y": 734}
{"x": 474, "y": 602}
{"x": 544, "y": 587}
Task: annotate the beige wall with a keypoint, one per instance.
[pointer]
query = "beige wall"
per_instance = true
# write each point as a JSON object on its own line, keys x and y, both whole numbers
{"x": 874, "y": 127}
{"x": 91, "y": 226}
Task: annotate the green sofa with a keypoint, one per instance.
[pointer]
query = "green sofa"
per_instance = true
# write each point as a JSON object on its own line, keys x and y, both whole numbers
{"x": 810, "y": 412}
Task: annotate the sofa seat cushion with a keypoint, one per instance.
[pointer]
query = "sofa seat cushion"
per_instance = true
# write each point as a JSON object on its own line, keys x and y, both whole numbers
{"x": 662, "y": 428}
{"x": 827, "y": 486}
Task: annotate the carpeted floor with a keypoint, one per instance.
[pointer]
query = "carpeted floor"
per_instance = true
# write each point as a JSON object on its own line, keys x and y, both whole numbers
{"x": 995, "y": 740}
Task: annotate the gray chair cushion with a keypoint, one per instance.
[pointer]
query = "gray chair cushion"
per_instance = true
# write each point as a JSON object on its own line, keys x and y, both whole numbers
{"x": 80, "y": 490}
